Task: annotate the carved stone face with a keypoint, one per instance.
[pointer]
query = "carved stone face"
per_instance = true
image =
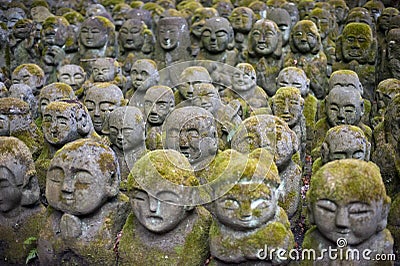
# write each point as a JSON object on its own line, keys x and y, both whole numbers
{"x": 321, "y": 18}
{"x": 54, "y": 32}
{"x": 354, "y": 214}
{"x": 216, "y": 35}
{"x": 264, "y": 37}
{"x": 100, "y": 102}
{"x": 393, "y": 40}
{"x": 24, "y": 92}
{"x": 157, "y": 214}
{"x": 93, "y": 34}
{"x": 11, "y": 195}
{"x": 40, "y": 13}
{"x": 288, "y": 105}
{"x": 375, "y": 9}
{"x": 54, "y": 92}
{"x": 341, "y": 10}
{"x": 384, "y": 19}
{"x": 304, "y": 35}
{"x": 169, "y": 36}
{"x": 104, "y": 70}
{"x": 245, "y": 78}
{"x": 245, "y": 207}
{"x": 190, "y": 77}
{"x": 127, "y": 134}
{"x": 305, "y": 8}
{"x": 356, "y": 41}
{"x": 345, "y": 79}
{"x": 77, "y": 186}
{"x": 294, "y": 77}
{"x": 22, "y": 29}
{"x": 344, "y": 107}
{"x": 131, "y": 35}
{"x": 241, "y": 19}
{"x": 199, "y": 18}
{"x": 24, "y": 76}
{"x": 282, "y": 19}
{"x": 73, "y": 75}
{"x": 206, "y": 96}
{"x": 140, "y": 71}
{"x": 12, "y": 15}
{"x": 158, "y": 103}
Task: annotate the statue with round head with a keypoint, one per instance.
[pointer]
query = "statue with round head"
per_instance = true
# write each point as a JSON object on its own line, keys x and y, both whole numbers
{"x": 188, "y": 78}
{"x": 31, "y": 75}
{"x": 74, "y": 76}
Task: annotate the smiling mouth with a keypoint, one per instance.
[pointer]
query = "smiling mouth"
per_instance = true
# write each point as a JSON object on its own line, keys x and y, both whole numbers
{"x": 155, "y": 220}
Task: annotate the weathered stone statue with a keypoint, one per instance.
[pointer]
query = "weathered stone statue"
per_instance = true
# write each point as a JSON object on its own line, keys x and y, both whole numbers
{"x": 264, "y": 53}
{"x": 288, "y": 104}
{"x": 86, "y": 210}
{"x": 284, "y": 22}
{"x": 341, "y": 10}
{"x": 74, "y": 76}
{"x": 192, "y": 131}
{"x": 159, "y": 101}
{"x": 242, "y": 19}
{"x": 163, "y": 228}
{"x": 356, "y": 50}
{"x": 305, "y": 7}
{"x": 385, "y": 91}
{"x": 173, "y": 42}
{"x": 375, "y": 8}
{"x": 24, "y": 92}
{"x": 127, "y": 136}
{"x": 143, "y": 75}
{"x": 347, "y": 201}
{"x": 296, "y": 77}
{"x": 107, "y": 69}
{"x": 393, "y": 52}
{"x": 259, "y": 9}
{"x": 343, "y": 142}
{"x": 21, "y": 215}
{"x": 16, "y": 121}
{"x": 12, "y": 15}
{"x": 31, "y": 75}
{"x": 293, "y": 11}
{"x": 101, "y": 100}
{"x": 247, "y": 218}
{"x": 272, "y": 133}
{"x": 307, "y": 54}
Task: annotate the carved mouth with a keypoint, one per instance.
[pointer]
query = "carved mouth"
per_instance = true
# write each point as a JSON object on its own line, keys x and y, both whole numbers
{"x": 155, "y": 220}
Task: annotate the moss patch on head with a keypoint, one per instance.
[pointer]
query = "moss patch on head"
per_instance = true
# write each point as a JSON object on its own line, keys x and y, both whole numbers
{"x": 33, "y": 69}
{"x": 13, "y": 106}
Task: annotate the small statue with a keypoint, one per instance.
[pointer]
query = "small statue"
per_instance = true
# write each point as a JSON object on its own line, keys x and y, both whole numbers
{"x": 127, "y": 137}
{"x": 284, "y": 22}
{"x": 247, "y": 217}
{"x": 101, "y": 100}
{"x": 163, "y": 227}
{"x": 356, "y": 50}
{"x": 375, "y": 8}
{"x": 74, "y": 76}
{"x": 348, "y": 208}
{"x": 24, "y": 92}
{"x": 21, "y": 215}
{"x": 341, "y": 10}
{"x": 393, "y": 52}
{"x": 241, "y": 19}
{"x": 86, "y": 210}
{"x": 192, "y": 131}
{"x": 385, "y": 91}
{"x": 12, "y": 15}
{"x": 293, "y": 11}
{"x": 305, "y": 7}
{"x": 307, "y": 53}
{"x": 159, "y": 101}
{"x": 343, "y": 142}
{"x": 31, "y": 75}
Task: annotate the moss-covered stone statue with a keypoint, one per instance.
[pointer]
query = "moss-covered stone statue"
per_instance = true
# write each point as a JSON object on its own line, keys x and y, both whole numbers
{"x": 159, "y": 101}
{"x": 16, "y": 121}
{"x": 247, "y": 217}
{"x": 24, "y": 92}
{"x": 284, "y": 22}
{"x": 341, "y": 10}
{"x": 127, "y": 136}
{"x": 393, "y": 52}
{"x": 31, "y": 75}
{"x": 348, "y": 208}
{"x": 100, "y": 100}
{"x": 21, "y": 214}
{"x": 305, "y": 7}
{"x": 264, "y": 53}
{"x": 343, "y": 142}
{"x": 288, "y": 104}
{"x": 385, "y": 91}
{"x": 272, "y": 133}
{"x": 306, "y": 52}
{"x": 242, "y": 19}
{"x": 356, "y": 50}
{"x": 74, "y": 76}
{"x": 192, "y": 131}
{"x": 162, "y": 228}
{"x": 86, "y": 210}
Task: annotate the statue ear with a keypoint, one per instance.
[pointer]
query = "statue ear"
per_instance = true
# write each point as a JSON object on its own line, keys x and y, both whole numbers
{"x": 324, "y": 152}
{"x": 84, "y": 126}
{"x": 112, "y": 187}
{"x": 30, "y": 190}
{"x": 384, "y": 215}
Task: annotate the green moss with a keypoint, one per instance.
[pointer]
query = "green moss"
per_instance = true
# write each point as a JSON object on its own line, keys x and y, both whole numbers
{"x": 106, "y": 162}
{"x": 13, "y": 106}
{"x": 288, "y": 200}
{"x": 33, "y": 69}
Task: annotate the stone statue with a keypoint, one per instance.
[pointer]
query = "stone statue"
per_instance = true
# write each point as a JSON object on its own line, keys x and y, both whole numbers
{"x": 12, "y": 15}
{"x": 307, "y": 53}
{"x": 393, "y": 52}
{"x": 242, "y": 19}
{"x": 127, "y": 137}
{"x": 119, "y": 14}
{"x": 385, "y": 91}
{"x": 293, "y": 11}
{"x": 159, "y": 101}
{"x": 173, "y": 41}
{"x": 31, "y": 75}
{"x": 21, "y": 215}
{"x": 341, "y": 10}
{"x": 272, "y": 133}
{"x": 74, "y": 76}
{"x": 101, "y": 100}
{"x": 347, "y": 201}
{"x": 247, "y": 217}
{"x": 162, "y": 228}
{"x": 375, "y": 8}
{"x": 24, "y": 92}
{"x": 224, "y": 8}
{"x": 305, "y": 7}
{"x": 284, "y": 22}
{"x": 259, "y": 9}
{"x": 192, "y": 131}
{"x": 143, "y": 75}
{"x": 288, "y": 104}
{"x": 356, "y": 50}
{"x": 16, "y": 121}
{"x": 343, "y": 142}
{"x": 86, "y": 210}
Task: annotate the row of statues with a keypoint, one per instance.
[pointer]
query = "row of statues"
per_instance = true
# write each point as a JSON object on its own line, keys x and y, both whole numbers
{"x": 183, "y": 133}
